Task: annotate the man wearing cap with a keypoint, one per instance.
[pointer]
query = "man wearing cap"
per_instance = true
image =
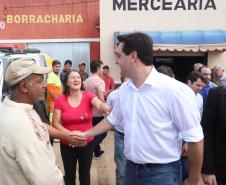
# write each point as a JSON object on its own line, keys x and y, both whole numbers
{"x": 82, "y": 72}
{"x": 26, "y": 155}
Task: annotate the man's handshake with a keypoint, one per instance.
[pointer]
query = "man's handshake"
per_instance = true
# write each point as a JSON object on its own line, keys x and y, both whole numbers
{"x": 81, "y": 136}
{"x": 75, "y": 138}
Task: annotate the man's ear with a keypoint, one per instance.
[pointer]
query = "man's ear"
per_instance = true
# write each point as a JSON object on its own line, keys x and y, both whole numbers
{"x": 189, "y": 82}
{"x": 133, "y": 56}
{"x": 23, "y": 86}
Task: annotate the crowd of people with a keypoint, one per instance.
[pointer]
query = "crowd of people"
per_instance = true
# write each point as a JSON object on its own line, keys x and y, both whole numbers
{"x": 160, "y": 123}
{"x": 76, "y": 102}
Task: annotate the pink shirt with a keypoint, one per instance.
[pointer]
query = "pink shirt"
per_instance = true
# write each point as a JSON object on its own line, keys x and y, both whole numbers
{"x": 95, "y": 84}
{"x": 76, "y": 118}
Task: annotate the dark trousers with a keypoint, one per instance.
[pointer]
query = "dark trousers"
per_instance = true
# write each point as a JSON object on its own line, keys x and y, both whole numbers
{"x": 98, "y": 139}
{"x": 70, "y": 156}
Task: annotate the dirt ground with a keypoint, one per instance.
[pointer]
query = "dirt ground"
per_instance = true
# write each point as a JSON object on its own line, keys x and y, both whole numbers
{"x": 103, "y": 168}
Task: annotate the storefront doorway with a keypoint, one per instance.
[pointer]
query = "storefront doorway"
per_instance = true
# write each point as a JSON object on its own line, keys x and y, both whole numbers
{"x": 181, "y": 64}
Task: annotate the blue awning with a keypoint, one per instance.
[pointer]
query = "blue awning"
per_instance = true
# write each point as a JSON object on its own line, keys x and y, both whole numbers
{"x": 200, "y": 40}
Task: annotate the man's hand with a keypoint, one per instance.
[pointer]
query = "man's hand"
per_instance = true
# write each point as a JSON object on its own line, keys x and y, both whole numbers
{"x": 193, "y": 182}
{"x": 209, "y": 179}
{"x": 184, "y": 151}
{"x": 78, "y": 135}
{"x": 73, "y": 141}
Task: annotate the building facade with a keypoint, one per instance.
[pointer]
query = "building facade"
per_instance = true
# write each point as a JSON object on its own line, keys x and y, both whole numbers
{"x": 200, "y": 24}
{"x": 63, "y": 29}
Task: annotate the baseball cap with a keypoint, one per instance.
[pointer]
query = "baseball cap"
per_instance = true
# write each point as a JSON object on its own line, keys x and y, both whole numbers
{"x": 21, "y": 68}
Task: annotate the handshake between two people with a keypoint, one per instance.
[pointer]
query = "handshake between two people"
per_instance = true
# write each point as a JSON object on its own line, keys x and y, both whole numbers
{"x": 80, "y": 136}
{"x": 76, "y": 138}
{"x": 79, "y": 139}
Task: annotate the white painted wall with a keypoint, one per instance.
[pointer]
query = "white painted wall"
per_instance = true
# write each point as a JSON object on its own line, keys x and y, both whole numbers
{"x": 113, "y": 21}
{"x": 216, "y": 57}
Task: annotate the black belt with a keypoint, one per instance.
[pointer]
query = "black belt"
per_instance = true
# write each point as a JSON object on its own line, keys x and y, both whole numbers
{"x": 149, "y": 165}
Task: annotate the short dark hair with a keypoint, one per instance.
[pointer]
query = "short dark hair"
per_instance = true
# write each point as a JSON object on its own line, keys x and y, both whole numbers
{"x": 66, "y": 90}
{"x": 95, "y": 65}
{"x": 122, "y": 78}
{"x": 82, "y": 64}
{"x": 194, "y": 75}
{"x": 68, "y": 62}
{"x": 106, "y": 67}
{"x": 164, "y": 69}
{"x": 139, "y": 42}
{"x": 56, "y": 62}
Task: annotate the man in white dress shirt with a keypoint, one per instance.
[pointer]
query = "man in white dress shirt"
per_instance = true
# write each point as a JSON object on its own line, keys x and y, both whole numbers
{"x": 196, "y": 82}
{"x": 119, "y": 157}
{"x": 155, "y": 111}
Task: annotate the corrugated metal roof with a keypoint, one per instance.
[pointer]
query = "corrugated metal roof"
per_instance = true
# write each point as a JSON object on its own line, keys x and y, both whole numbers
{"x": 76, "y": 52}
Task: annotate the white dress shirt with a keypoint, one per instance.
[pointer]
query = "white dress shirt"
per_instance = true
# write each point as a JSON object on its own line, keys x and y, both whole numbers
{"x": 111, "y": 99}
{"x": 199, "y": 101}
{"x": 153, "y": 117}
